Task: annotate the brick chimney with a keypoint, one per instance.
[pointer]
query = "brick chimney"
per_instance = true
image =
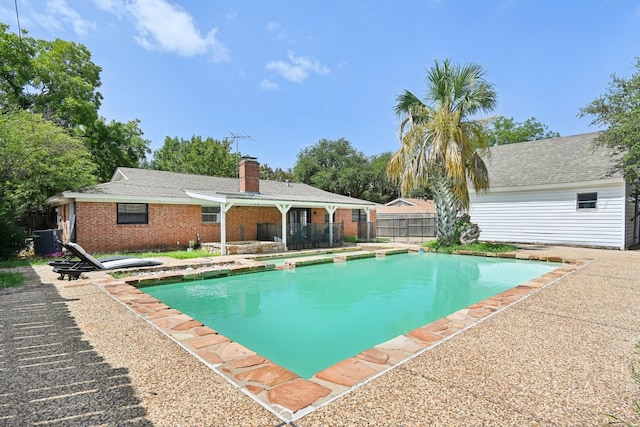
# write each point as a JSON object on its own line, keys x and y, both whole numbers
{"x": 249, "y": 175}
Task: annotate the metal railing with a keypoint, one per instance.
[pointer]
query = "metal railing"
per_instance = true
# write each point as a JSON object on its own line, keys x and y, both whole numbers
{"x": 366, "y": 231}
{"x": 301, "y": 236}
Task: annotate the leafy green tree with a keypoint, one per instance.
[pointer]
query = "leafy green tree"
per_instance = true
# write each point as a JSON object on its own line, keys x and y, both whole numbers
{"x": 58, "y": 80}
{"x": 37, "y": 160}
{"x": 382, "y": 189}
{"x": 502, "y": 130}
{"x": 196, "y": 156}
{"x": 16, "y": 69}
{"x": 422, "y": 192}
{"x": 116, "y": 144}
{"x": 279, "y": 174}
{"x": 66, "y": 83}
{"x": 53, "y": 78}
{"x": 334, "y": 166}
{"x": 619, "y": 111}
{"x": 439, "y": 140}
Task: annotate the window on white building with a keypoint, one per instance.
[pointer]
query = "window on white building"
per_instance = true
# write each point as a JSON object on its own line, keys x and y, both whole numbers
{"x": 587, "y": 201}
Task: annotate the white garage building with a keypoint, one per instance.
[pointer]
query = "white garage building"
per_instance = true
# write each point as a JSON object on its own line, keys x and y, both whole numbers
{"x": 556, "y": 191}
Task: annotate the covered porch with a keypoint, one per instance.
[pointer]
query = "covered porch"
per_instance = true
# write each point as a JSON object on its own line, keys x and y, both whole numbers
{"x": 297, "y": 228}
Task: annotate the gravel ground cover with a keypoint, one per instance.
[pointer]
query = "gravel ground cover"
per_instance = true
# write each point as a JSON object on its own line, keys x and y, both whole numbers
{"x": 561, "y": 357}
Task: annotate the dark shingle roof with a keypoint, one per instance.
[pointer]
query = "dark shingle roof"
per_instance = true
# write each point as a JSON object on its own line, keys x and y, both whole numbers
{"x": 560, "y": 160}
{"x": 145, "y": 183}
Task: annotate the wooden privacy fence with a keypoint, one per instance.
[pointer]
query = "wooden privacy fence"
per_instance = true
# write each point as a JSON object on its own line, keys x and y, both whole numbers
{"x": 406, "y": 226}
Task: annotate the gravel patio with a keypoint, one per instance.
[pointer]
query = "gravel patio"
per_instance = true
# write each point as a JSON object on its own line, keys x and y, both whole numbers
{"x": 72, "y": 355}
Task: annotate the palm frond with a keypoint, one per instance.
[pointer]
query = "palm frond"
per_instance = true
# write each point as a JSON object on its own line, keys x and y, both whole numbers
{"x": 404, "y": 101}
{"x": 438, "y": 139}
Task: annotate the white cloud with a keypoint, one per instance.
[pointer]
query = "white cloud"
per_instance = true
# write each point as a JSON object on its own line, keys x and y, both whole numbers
{"x": 58, "y": 16}
{"x": 281, "y": 33}
{"x": 165, "y": 27}
{"x": 117, "y": 7}
{"x": 267, "y": 84}
{"x": 298, "y": 68}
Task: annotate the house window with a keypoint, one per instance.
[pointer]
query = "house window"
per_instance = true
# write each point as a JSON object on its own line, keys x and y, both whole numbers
{"x": 300, "y": 216}
{"x": 358, "y": 215}
{"x": 211, "y": 214}
{"x": 133, "y": 213}
{"x": 587, "y": 200}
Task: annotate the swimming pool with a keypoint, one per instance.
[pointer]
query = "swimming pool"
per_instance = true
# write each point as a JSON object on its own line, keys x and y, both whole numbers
{"x": 308, "y": 319}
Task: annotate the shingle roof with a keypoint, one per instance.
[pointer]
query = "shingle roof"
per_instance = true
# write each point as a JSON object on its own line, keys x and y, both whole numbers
{"x": 407, "y": 205}
{"x": 560, "y": 160}
{"x": 145, "y": 183}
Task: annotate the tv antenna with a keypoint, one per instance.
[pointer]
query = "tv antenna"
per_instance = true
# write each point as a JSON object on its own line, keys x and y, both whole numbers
{"x": 235, "y": 137}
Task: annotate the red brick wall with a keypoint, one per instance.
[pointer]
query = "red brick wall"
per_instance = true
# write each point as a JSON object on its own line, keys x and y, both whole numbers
{"x": 350, "y": 227}
{"x": 342, "y": 215}
{"x": 249, "y": 216}
{"x": 97, "y": 230}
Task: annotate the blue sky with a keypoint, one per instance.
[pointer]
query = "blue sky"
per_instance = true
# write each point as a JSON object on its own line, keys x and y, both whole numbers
{"x": 289, "y": 73}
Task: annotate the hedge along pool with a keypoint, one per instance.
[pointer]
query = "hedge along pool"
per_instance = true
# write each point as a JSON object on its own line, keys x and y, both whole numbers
{"x": 310, "y": 318}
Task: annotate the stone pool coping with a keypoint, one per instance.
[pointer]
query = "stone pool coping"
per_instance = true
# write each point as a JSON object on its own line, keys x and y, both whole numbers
{"x": 281, "y": 391}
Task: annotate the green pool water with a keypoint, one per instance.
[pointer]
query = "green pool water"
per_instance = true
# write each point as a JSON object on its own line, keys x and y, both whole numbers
{"x": 310, "y": 318}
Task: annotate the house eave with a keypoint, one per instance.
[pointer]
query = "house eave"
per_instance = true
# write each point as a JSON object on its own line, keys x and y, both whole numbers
{"x": 112, "y": 198}
{"x": 555, "y": 186}
{"x": 250, "y": 199}
{"x": 58, "y": 200}
{"x": 199, "y": 198}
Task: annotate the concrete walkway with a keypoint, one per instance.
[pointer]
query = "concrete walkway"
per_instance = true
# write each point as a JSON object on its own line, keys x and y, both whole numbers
{"x": 561, "y": 357}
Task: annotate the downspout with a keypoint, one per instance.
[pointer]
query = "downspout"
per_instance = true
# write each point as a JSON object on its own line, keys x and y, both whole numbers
{"x": 72, "y": 221}
{"x": 636, "y": 221}
{"x": 625, "y": 191}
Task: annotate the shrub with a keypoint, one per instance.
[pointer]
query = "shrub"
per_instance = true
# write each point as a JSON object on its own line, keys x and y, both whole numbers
{"x": 435, "y": 246}
{"x": 12, "y": 238}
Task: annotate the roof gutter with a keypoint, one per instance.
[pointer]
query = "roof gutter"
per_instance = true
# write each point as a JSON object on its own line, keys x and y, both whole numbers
{"x": 558, "y": 186}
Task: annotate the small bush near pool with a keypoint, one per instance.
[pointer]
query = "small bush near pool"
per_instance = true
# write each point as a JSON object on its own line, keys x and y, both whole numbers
{"x": 476, "y": 247}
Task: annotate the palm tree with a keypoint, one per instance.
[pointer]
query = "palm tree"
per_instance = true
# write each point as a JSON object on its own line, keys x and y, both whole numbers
{"x": 439, "y": 140}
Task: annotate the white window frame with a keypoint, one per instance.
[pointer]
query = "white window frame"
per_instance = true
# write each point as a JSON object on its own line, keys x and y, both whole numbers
{"x": 589, "y": 201}
{"x": 212, "y": 216}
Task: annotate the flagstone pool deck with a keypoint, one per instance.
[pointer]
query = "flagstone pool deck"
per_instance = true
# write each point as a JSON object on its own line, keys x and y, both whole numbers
{"x": 554, "y": 351}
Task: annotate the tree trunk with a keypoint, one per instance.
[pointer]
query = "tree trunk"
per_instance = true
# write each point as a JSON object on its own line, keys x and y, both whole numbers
{"x": 447, "y": 209}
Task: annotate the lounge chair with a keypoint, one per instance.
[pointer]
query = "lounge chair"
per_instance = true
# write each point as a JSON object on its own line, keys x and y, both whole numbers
{"x": 88, "y": 263}
{"x": 70, "y": 259}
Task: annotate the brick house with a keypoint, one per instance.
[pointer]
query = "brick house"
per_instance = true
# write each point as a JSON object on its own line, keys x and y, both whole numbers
{"x": 147, "y": 209}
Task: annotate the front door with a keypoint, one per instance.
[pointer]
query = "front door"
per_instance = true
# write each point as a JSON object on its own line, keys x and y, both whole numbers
{"x": 299, "y": 219}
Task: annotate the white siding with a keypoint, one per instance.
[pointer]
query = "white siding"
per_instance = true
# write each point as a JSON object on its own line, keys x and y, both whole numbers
{"x": 551, "y": 216}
